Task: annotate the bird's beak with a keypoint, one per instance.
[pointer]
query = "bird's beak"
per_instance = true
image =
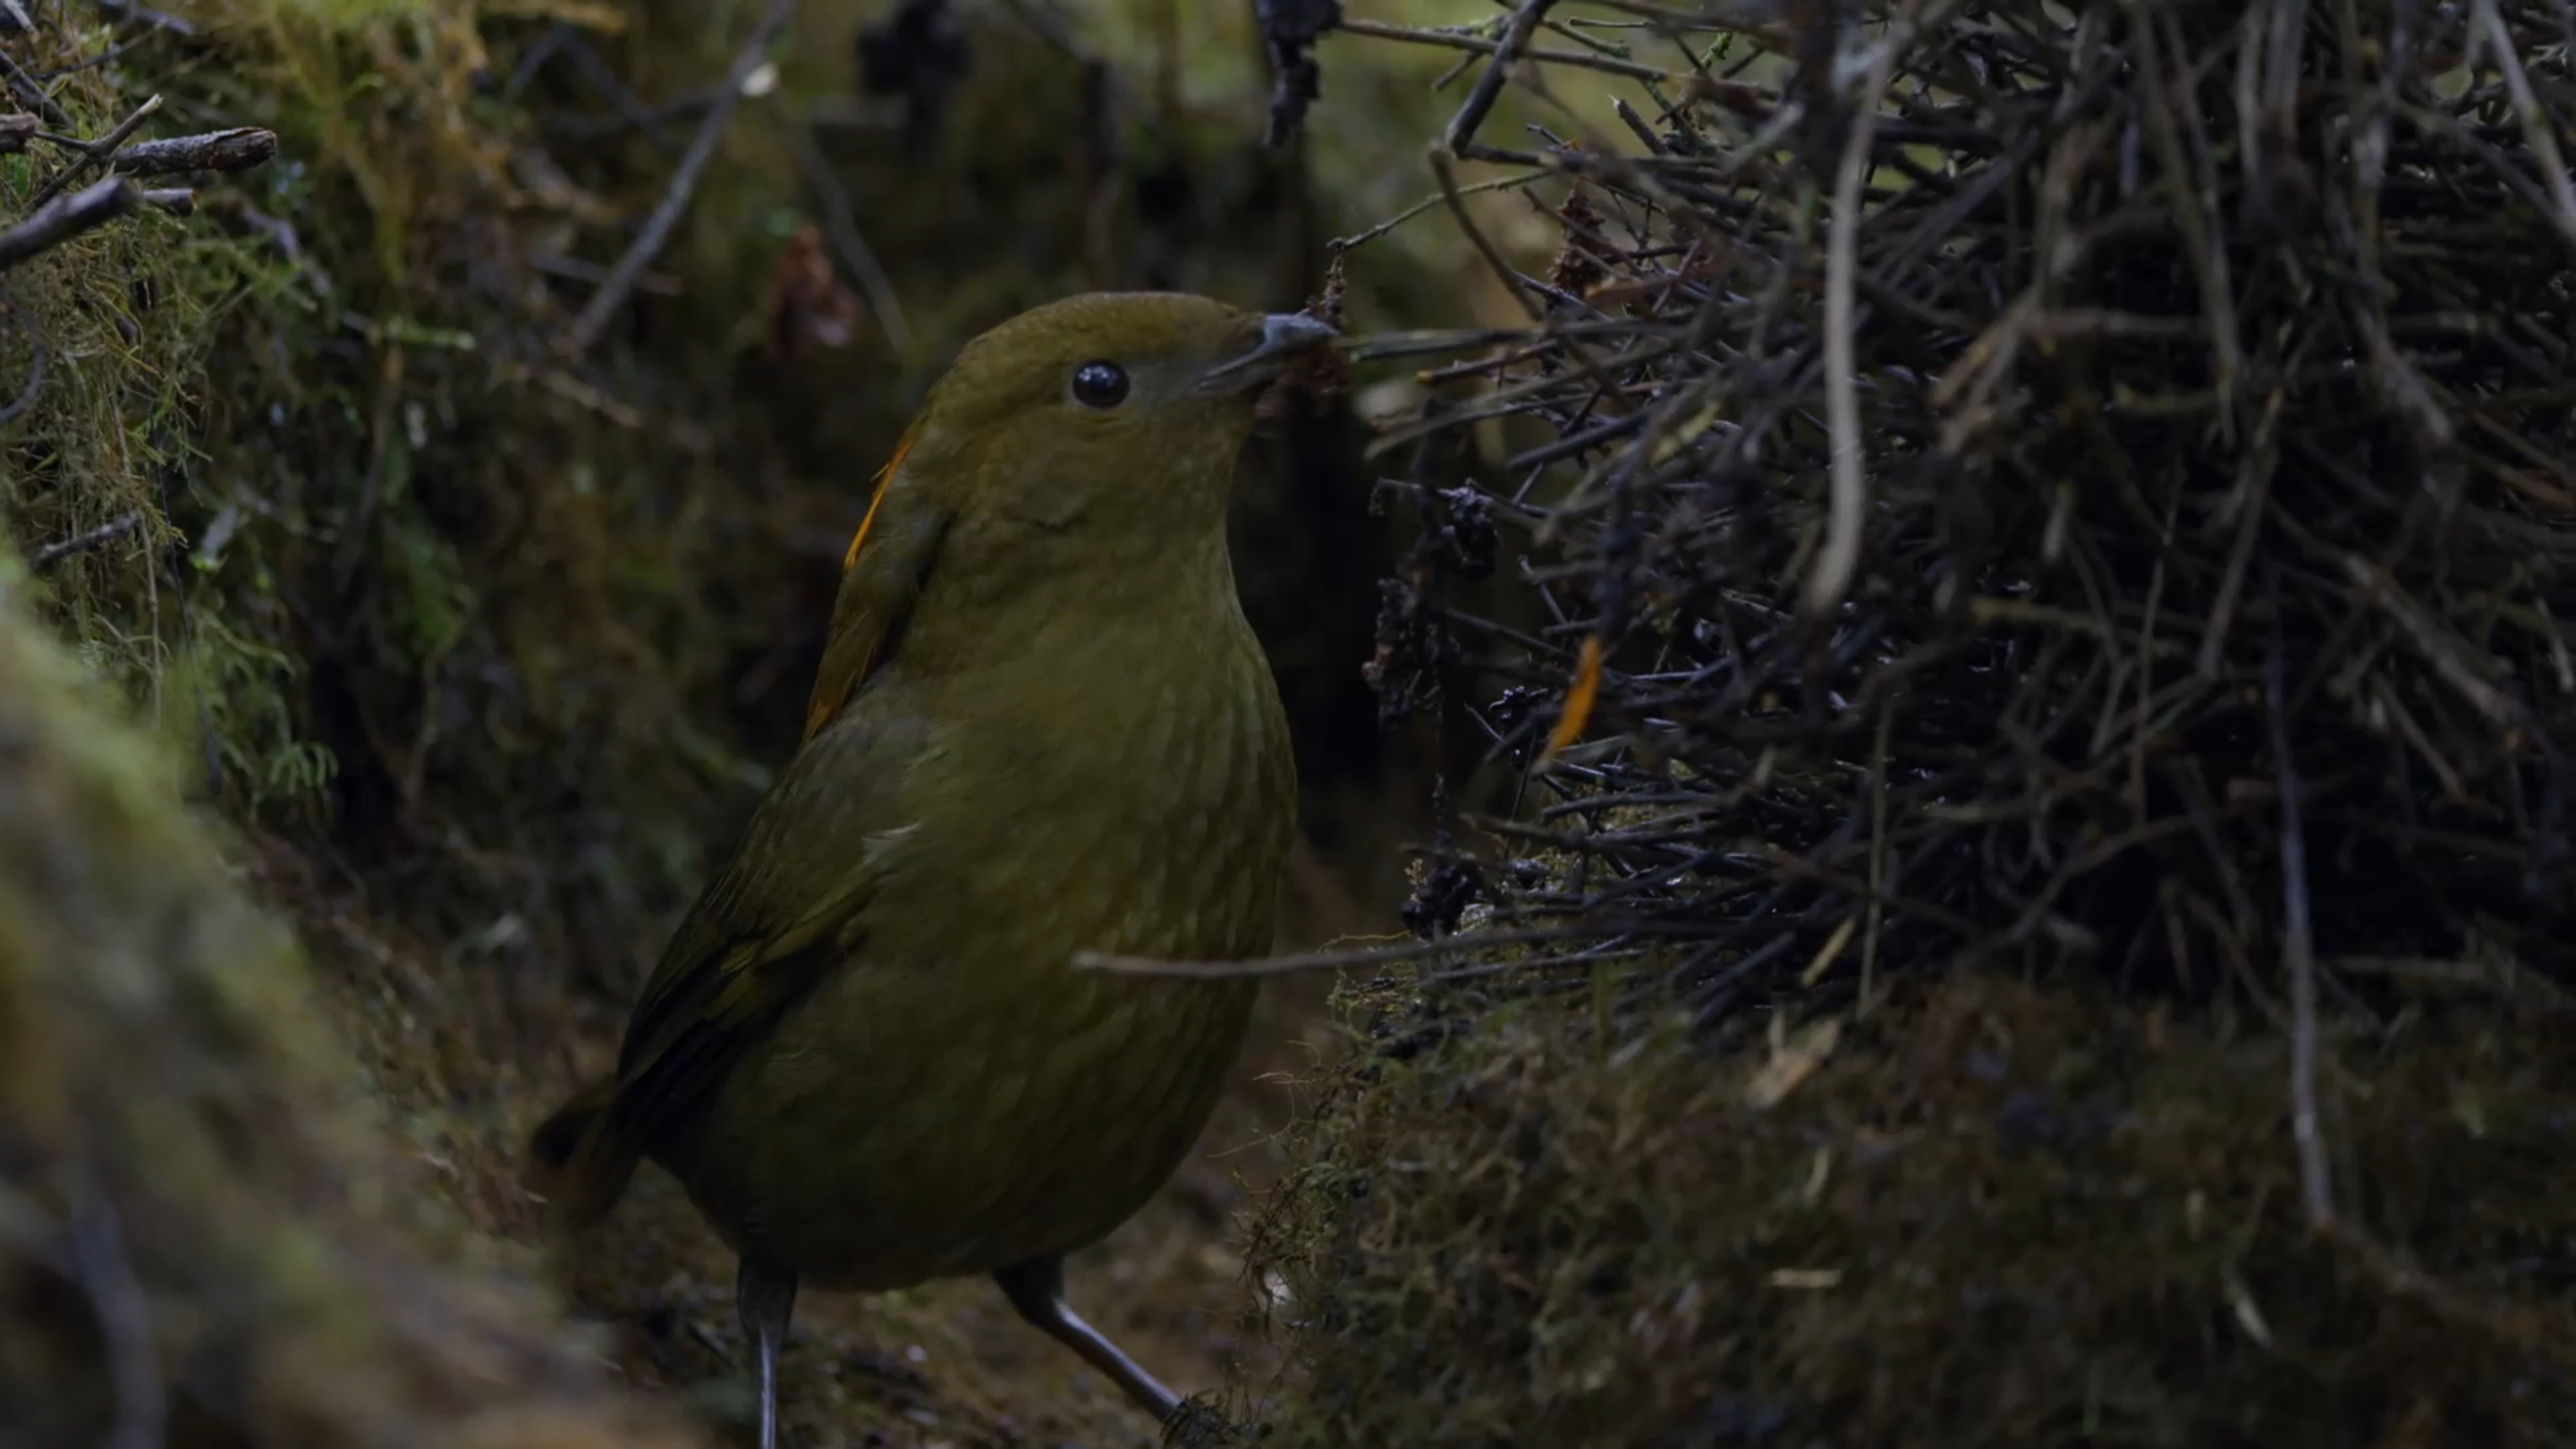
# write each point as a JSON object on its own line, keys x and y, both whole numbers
{"x": 1285, "y": 337}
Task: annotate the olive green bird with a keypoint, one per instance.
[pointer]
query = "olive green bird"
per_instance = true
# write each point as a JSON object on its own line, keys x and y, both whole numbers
{"x": 1041, "y": 726}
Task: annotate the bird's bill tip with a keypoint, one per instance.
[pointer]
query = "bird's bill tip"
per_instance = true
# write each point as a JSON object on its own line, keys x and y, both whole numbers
{"x": 1285, "y": 336}
{"x": 1295, "y": 332}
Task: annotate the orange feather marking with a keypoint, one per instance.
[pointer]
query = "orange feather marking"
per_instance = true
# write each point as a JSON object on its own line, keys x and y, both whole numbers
{"x": 885, "y": 475}
{"x": 820, "y": 710}
{"x": 1579, "y": 699}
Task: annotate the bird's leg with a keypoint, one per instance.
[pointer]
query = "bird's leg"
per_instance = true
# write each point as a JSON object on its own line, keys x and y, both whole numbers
{"x": 1036, "y": 1289}
{"x": 764, "y": 1298}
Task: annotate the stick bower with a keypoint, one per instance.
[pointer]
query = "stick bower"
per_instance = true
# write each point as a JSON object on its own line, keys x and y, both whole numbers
{"x": 2080, "y": 493}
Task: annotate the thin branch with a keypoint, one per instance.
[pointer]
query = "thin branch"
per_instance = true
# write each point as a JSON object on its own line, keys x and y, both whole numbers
{"x": 2298, "y": 936}
{"x": 32, "y": 93}
{"x": 648, "y": 244}
{"x": 1847, "y": 509}
{"x": 98, "y": 150}
{"x": 1479, "y": 45}
{"x": 60, "y": 220}
{"x": 237, "y": 149}
{"x": 1444, "y": 167}
{"x": 115, "y": 528}
{"x": 158, "y": 20}
{"x": 1460, "y": 138}
{"x": 842, "y": 228}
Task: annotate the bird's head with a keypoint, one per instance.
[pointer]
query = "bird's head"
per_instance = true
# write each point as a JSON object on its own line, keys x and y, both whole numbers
{"x": 1100, "y": 426}
{"x": 1073, "y": 463}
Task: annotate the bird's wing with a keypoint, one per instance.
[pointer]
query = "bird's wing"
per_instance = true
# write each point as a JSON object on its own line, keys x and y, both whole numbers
{"x": 792, "y": 902}
{"x": 881, "y": 576}
{"x": 791, "y": 905}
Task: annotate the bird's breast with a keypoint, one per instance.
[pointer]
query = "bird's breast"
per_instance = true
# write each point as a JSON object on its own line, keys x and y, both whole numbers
{"x": 1125, "y": 789}
{"x": 960, "y": 1095}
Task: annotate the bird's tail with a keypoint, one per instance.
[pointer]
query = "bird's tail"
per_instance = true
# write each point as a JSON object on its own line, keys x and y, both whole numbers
{"x": 575, "y": 1163}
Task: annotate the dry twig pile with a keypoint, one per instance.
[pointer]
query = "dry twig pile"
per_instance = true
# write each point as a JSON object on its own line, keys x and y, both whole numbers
{"x": 2096, "y": 488}
{"x": 2083, "y": 488}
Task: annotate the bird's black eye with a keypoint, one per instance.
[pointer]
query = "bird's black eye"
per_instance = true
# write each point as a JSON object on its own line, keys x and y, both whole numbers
{"x": 1100, "y": 385}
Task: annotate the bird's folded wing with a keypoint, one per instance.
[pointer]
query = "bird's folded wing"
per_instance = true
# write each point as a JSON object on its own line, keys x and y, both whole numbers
{"x": 792, "y": 903}
{"x": 791, "y": 906}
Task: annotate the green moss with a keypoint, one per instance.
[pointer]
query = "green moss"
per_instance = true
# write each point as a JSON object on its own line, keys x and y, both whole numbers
{"x": 231, "y": 691}
{"x": 221, "y": 1217}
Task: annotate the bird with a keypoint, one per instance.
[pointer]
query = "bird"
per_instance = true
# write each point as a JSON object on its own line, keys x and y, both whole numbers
{"x": 1041, "y": 725}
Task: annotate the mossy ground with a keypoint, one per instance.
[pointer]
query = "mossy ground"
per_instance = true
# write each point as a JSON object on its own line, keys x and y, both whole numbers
{"x": 1996, "y": 1213}
{"x": 231, "y": 1256}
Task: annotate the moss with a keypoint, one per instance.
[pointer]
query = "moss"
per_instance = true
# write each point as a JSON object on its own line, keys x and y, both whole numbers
{"x": 1997, "y": 1214}
{"x": 225, "y": 1231}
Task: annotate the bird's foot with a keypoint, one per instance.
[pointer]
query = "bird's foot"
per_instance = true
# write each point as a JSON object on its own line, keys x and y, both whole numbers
{"x": 1195, "y": 1423}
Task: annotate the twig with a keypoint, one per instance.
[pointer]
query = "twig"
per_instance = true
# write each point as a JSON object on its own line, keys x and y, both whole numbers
{"x": 612, "y": 294}
{"x": 1876, "y": 911}
{"x": 533, "y": 60}
{"x": 32, "y": 93}
{"x": 237, "y": 149}
{"x": 1460, "y": 138}
{"x": 1444, "y": 167}
{"x": 1498, "y": 183}
{"x": 16, "y": 130}
{"x": 2298, "y": 938}
{"x": 96, "y": 151}
{"x": 2439, "y": 644}
{"x": 1478, "y": 45}
{"x": 842, "y": 227}
{"x": 158, "y": 20}
{"x": 2252, "y": 497}
{"x": 2201, "y": 244}
{"x": 114, "y": 528}
{"x": 1847, "y": 497}
{"x": 60, "y": 220}
{"x": 109, "y": 56}
{"x": 240, "y": 216}
{"x": 1741, "y": 17}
